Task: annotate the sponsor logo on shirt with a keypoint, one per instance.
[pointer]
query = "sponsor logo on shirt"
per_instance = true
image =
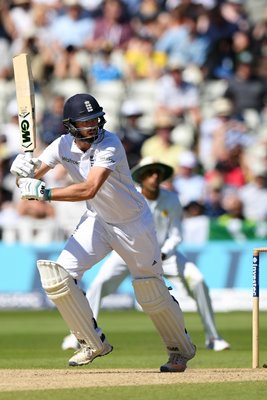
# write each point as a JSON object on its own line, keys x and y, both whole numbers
{"x": 103, "y": 158}
{"x": 164, "y": 213}
{"x": 69, "y": 160}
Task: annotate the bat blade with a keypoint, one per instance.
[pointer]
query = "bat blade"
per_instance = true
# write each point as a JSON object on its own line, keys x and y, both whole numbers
{"x": 26, "y": 102}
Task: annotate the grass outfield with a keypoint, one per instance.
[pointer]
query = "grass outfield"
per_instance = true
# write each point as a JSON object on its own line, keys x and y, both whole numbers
{"x": 31, "y": 340}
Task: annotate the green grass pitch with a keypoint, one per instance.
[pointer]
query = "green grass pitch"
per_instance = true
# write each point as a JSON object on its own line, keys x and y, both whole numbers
{"x": 32, "y": 339}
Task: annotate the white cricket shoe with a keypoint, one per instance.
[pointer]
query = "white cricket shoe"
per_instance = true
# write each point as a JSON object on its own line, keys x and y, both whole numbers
{"x": 86, "y": 355}
{"x": 217, "y": 344}
{"x": 70, "y": 342}
{"x": 176, "y": 363}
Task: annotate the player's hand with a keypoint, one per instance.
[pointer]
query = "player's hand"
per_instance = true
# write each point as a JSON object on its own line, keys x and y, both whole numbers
{"x": 32, "y": 189}
{"x": 23, "y": 167}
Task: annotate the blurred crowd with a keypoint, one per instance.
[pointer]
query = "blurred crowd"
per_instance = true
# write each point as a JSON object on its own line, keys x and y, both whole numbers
{"x": 184, "y": 81}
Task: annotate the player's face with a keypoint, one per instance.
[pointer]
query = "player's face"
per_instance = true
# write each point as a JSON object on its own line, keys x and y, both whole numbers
{"x": 151, "y": 179}
{"x": 87, "y": 129}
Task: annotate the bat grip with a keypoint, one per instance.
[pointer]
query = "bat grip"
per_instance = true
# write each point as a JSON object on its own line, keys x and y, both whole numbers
{"x": 29, "y": 155}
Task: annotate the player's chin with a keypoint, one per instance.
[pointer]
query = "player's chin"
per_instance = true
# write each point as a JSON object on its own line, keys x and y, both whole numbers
{"x": 83, "y": 145}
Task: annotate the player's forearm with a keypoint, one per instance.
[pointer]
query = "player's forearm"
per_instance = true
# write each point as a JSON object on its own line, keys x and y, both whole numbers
{"x": 75, "y": 192}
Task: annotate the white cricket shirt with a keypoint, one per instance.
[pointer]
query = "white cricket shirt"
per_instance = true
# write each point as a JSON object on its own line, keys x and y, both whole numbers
{"x": 167, "y": 215}
{"x": 117, "y": 201}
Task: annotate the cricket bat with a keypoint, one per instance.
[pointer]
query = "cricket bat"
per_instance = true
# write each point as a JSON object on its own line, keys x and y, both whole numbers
{"x": 26, "y": 102}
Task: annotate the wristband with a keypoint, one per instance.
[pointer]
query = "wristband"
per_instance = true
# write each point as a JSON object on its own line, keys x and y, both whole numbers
{"x": 47, "y": 195}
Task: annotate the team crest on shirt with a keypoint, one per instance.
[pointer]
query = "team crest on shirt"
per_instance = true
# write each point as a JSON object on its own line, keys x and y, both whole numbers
{"x": 92, "y": 159}
{"x": 165, "y": 213}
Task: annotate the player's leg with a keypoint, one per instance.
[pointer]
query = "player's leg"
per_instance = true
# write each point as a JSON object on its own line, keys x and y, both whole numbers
{"x": 139, "y": 249}
{"x": 109, "y": 277}
{"x": 165, "y": 312}
{"x": 111, "y": 274}
{"x": 58, "y": 280}
{"x": 73, "y": 306}
{"x": 197, "y": 288}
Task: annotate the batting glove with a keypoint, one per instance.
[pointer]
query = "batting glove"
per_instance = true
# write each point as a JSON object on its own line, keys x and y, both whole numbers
{"x": 23, "y": 167}
{"x": 33, "y": 189}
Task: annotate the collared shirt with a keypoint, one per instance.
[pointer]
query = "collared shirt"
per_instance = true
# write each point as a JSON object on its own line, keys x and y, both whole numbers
{"x": 117, "y": 201}
{"x": 167, "y": 215}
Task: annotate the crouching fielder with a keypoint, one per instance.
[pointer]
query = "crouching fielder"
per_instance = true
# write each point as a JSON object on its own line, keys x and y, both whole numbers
{"x": 117, "y": 218}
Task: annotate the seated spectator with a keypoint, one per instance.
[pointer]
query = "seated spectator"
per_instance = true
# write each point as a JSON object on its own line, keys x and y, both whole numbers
{"x": 72, "y": 27}
{"x": 254, "y": 195}
{"x": 112, "y": 27}
{"x": 220, "y": 60}
{"x": 141, "y": 59}
{"x": 233, "y": 206}
{"x": 222, "y": 112}
{"x": 195, "y": 225}
{"x": 230, "y": 141}
{"x": 51, "y": 126}
{"x": 259, "y": 35}
{"x": 10, "y": 129}
{"x": 176, "y": 96}
{"x": 131, "y": 135}
{"x": 160, "y": 144}
{"x": 69, "y": 73}
{"x": 103, "y": 67}
{"x": 174, "y": 40}
{"x": 232, "y": 225}
{"x": 189, "y": 185}
{"x": 213, "y": 201}
{"x": 68, "y": 65}
{"x": 234, "y": 11}
{"x": 245, "y": 88}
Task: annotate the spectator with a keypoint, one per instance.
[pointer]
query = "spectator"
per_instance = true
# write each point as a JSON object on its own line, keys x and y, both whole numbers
{"x": 195, "y": 224}
{"x": 21, "y": 23}
{"x": 51, "y": 126}
{"x": 103, "y": 67}
{"x": 213, "y": 201}
{"x": 130, "y": 133}
{"x": 230, "y": 142}
{"x": 222, "y": 111}
{"x": 259, "y": 35}
{"x": 73, "y": 27}
{"x": 160, "y": 144}
{"x": 174, "y": 40}
{"x": 254, "y": 195}
{"x": 141, "y": 59}
{"x": 10, "y": 129}
{"x": 234, "y": 12}
{"x": 234, "y": 220}
{"x": 189, "y": 185}
{"x": 176, "y": 96}
{"x": 112, "y": 27}
{"x": 245, "y": 88}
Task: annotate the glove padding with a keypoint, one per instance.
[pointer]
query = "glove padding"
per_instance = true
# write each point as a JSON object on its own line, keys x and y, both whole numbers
{"x": 32, "y": 189}
{"x": 24, "y": 167}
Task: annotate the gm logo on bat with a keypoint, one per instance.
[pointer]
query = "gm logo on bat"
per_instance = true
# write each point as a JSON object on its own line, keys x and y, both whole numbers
{"x": 26, "y": 134}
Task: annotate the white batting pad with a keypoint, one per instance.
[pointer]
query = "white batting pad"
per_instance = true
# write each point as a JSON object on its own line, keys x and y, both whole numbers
{"x": 70, "y": 301}
{"x": 155, "y": 299}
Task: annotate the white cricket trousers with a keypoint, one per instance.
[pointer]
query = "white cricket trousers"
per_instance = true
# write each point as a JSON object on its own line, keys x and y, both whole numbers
{"x": 135, "y": 241}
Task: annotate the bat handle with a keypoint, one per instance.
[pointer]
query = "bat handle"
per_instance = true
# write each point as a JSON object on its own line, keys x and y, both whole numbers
{"x": 29, "y": 155}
